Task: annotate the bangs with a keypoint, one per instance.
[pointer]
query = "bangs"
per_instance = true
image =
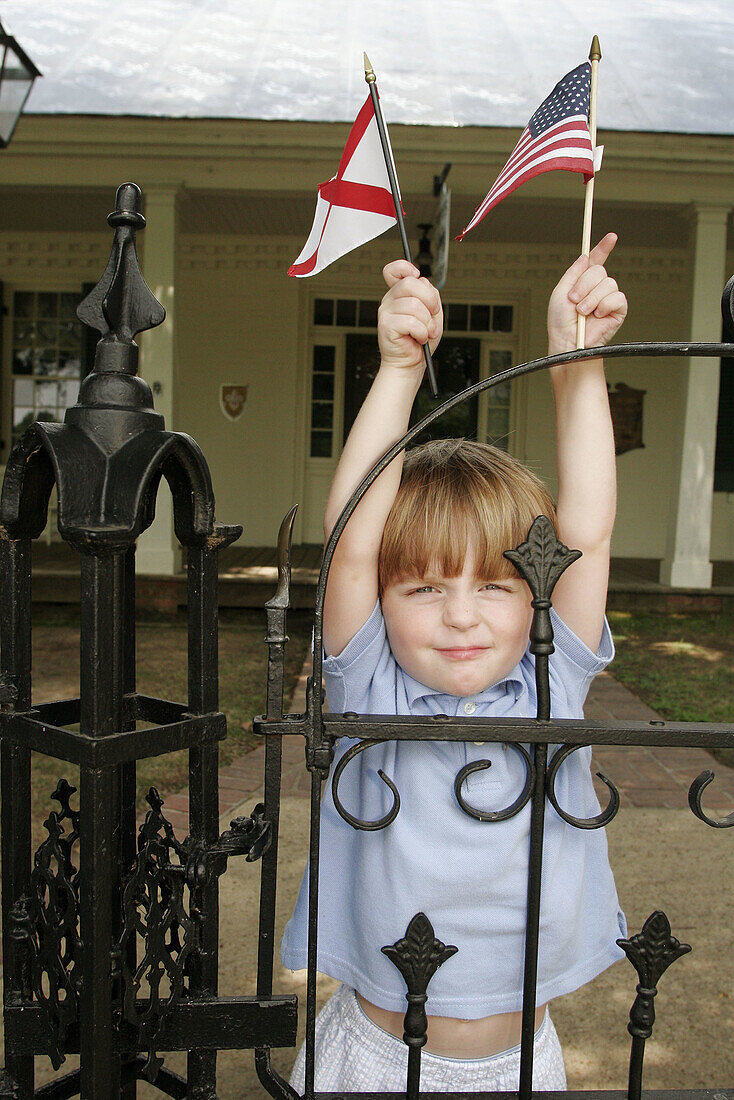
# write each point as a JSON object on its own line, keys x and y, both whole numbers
{"x": 459, "y": 497}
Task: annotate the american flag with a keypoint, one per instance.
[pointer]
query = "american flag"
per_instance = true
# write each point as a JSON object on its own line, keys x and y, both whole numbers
{"x": 557, "y": 136}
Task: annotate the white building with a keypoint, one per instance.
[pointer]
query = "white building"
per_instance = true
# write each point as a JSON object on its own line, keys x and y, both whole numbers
{"x": 230, "y": 115}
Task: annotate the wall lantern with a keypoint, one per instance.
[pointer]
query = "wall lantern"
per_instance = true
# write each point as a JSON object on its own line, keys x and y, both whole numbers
{"x": 17, "y": 74}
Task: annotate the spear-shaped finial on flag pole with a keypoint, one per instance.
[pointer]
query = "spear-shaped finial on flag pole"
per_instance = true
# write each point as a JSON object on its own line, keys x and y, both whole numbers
{"x": 371, "y": 79}
{"x": 594, "y": 58}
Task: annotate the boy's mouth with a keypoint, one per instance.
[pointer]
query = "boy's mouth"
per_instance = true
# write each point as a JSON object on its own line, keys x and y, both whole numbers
{"x": 464, "y": 652}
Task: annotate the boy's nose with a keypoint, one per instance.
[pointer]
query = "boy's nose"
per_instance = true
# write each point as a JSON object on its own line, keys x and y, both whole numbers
{"x": 460, "y": 611}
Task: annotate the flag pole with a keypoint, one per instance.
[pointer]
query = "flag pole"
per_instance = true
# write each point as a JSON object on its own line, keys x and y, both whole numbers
{"x": 594, "y": 58}
{"x": 371, "y": 79}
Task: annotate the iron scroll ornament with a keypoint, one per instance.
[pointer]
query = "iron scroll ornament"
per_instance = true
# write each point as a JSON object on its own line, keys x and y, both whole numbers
{"x": 356, "y": 822}
{"x": 514, "y": 808}
{"x": 698, "y": 786}
{"x": 599, "y": 820}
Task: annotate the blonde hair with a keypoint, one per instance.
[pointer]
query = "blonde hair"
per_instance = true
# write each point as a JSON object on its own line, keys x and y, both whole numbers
{"x": 453, "y": 493}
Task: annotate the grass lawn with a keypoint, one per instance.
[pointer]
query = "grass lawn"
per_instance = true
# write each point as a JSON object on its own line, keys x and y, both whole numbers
{"x": 161, "y": 664}
{"x": 681, "y": 664}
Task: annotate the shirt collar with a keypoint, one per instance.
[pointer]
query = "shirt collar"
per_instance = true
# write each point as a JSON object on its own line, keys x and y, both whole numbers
{"x": 415, "y": 690}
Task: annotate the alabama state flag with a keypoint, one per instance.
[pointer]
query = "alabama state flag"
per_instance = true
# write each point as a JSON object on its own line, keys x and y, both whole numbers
{"x": 355, "y": 205}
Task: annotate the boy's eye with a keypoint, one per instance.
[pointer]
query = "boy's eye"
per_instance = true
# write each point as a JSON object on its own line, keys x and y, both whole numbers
{"x": 424, "y": 588}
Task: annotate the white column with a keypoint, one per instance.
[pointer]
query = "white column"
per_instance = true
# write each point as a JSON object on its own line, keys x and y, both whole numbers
{"x": 158, "y": 550}
{"x": 686, "y": 563}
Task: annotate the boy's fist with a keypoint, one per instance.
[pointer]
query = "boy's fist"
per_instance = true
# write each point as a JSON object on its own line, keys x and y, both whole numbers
{"x": 410, "y": 316}
{"x": 586, "y": 289}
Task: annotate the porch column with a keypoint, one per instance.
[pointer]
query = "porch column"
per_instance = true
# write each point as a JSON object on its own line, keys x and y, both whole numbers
{"x": 158, "y": 550}
{"x": 686, "y": 563}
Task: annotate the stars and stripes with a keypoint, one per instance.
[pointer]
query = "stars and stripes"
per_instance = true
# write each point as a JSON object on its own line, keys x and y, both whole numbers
{"x": 353, "y": 206}
{"x": 557, "y": 136}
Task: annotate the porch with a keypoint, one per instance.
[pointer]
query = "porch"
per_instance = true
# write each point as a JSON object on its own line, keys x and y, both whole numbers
{"x": 248, "y": 574}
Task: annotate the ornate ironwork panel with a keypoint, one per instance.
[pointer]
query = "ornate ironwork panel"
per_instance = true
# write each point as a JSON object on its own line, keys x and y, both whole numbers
{"x": 111, "y": 946}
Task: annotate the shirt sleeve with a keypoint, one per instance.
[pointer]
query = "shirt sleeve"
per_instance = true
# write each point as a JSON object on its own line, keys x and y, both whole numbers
{"x": 366, "y": 661}
{"x": 573, "y": 665}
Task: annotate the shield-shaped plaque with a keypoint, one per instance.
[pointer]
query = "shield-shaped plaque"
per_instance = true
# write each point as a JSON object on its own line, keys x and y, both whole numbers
{"x": 232, "y": 400}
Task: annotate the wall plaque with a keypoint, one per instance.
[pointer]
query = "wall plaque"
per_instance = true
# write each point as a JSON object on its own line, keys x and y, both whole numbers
{"x": 232, "y": 400}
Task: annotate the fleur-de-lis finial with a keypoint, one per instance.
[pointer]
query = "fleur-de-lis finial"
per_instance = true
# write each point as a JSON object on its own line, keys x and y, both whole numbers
{"x": 418, "y": 956}
{"x": 651, "y": 952}
{"x": 540, "y": 561}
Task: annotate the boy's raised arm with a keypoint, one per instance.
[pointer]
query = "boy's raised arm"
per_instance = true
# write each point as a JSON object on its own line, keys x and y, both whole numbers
{"x": 409, "y": 316}
{"x": 587, "y": 485}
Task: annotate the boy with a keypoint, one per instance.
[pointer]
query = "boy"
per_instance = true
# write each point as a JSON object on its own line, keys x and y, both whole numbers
{"x": 423, "y": 615}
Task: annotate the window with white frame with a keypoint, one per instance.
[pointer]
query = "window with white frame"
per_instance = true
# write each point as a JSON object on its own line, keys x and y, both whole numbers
{"x": 480, "y": 339}
{"x": 47, "y": 356}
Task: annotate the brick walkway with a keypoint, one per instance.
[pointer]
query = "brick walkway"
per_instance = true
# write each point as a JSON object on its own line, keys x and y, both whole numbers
{"x": 647, "y": 777}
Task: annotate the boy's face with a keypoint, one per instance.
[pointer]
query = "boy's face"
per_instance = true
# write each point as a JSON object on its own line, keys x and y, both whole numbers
{"x": 458, "y": 635}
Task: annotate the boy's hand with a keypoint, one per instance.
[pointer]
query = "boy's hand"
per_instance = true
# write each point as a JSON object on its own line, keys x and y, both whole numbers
{"x": 410, "y": 315}
{"x": 586, "y": 289}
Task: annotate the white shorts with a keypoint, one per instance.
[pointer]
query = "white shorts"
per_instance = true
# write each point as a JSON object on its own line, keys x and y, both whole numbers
{"x": 353, "y": 1054}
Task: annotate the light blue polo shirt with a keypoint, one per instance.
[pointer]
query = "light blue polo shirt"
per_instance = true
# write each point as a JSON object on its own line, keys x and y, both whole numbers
{"x": 469, "y": 877}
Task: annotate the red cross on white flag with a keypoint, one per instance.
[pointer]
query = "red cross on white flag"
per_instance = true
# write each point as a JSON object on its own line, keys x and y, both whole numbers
{"x": 355, "y": 205}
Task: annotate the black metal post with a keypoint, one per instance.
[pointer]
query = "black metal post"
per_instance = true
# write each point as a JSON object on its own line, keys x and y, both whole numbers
{"x": 15, "y": 677}
{"x": 100, "y": 675}
{"x": 128, "y": 784}
{"x": 204, "y": 791}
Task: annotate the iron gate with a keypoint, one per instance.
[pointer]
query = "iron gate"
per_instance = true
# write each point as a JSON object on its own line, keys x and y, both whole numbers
{"x": 99, "y": 916}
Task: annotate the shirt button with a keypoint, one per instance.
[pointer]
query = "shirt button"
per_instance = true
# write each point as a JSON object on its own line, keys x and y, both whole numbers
{"x": 469, "y": 707}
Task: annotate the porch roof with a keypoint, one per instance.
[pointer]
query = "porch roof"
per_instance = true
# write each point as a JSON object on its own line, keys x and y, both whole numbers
{"x": 668, "y": 64}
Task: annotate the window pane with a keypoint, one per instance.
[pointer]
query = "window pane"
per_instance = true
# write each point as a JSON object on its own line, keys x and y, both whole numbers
{"x": 502, "y": 319}
{"x": 22, "y": 361}
{"x": 22, "y": 417}
{"x": 479, "y": 319}
{"x": 458, "y": 317}
{"x": 346, "y": 313}
{"x": 23, "y": 304}
{"x": 323, "y": 311}
{"x": 23, "y": 391}
{"x": 69, "y": 334}
{"x": 368, "y": 314}
{"x": 499, "y": 360}
{"x": 68, "y": 304}
{"x": 498, "y": 426}
{"x": 23, "y": 332}
{"x": 44, "y": 361}
{"x": 47, "y": 305}
{"x": 500, "y": 395}
{"x": 323, "y": 357}
{"x": 322, "y": 414}
{"x": 47, "y": 333}
{"x": 321, "y": 444}
{"x": 46, "y": 394}
{"x": 69, "y": 365}
{"x": 323, "y": 387}
{"x": 68, "y": 394}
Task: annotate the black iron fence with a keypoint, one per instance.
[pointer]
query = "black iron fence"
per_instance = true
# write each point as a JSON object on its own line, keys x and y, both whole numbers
{"x": 110, "y": 941}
